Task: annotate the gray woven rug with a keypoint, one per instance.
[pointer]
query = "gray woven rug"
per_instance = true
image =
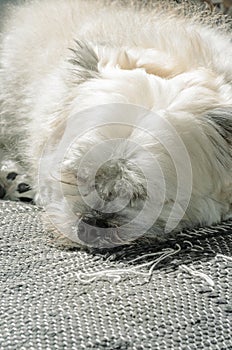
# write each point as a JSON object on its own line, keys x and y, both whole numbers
{"x": 50, "y": 297}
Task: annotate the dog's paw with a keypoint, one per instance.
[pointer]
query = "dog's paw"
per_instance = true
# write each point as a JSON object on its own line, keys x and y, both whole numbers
{"x": 19, "y": 188}
{"x": 14, "y": 184}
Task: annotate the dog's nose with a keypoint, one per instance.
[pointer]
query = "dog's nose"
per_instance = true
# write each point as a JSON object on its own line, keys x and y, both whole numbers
{"x": 96, "y": 222}
{"x": 98, "y": 233}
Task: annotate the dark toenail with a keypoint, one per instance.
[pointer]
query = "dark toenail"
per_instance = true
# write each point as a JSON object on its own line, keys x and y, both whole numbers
{"x": 23, "y": 187}
{"x": 11, "y": 176}
{"x": 2, "y": 192}
{"x": 25, "y": 199}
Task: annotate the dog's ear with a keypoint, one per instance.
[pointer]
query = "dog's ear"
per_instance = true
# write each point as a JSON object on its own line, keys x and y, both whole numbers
{"x": 84, "y": 60}
{"x": 221, "y": 119}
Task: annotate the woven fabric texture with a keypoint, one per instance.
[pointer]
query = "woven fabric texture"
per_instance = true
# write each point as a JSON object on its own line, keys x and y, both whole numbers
{"x": 186, "y": 303}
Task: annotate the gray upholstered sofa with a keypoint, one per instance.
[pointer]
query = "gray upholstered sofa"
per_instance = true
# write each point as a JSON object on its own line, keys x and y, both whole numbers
{"x": 56, "y": 298}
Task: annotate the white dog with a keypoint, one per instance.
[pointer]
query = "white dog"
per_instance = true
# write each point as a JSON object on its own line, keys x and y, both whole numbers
{"x": 116, "y": 118}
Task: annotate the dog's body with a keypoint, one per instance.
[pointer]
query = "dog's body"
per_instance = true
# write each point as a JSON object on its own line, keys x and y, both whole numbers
{"x": 60, "y": 58}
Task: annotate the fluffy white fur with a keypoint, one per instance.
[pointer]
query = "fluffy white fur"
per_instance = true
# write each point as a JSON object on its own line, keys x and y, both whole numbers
{"x": 61, "y": 58}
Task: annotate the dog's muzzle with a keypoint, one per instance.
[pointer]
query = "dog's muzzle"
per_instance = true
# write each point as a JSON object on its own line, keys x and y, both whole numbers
{"x": 99, "y": 233}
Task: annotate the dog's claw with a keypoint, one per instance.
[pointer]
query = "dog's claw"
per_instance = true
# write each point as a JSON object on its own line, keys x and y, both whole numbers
{"x": 26, "y": 199}
{"x": 2, "y": 192}
{"x": 11, "y": 176}
{"x": 23, "y": 187}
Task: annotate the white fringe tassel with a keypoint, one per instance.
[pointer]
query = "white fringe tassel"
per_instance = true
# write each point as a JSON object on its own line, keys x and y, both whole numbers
{"x": 116, "y": 274}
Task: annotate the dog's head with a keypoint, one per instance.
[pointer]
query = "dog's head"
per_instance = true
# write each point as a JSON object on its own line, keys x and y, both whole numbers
{"x": 121, "y": 164}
